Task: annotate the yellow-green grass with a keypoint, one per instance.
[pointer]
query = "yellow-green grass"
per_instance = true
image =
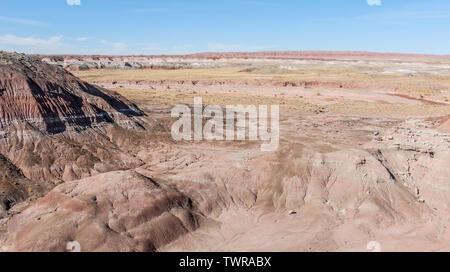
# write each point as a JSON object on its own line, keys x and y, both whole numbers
{"x": 427, "y": 86}
{"x": 170, "y": 98}
{"x": 419, "y": 85}
{"x": 389, "y": 110}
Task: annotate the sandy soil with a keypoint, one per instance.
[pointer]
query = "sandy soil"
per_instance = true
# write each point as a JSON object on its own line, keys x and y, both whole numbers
{"x": 363, "y": 156}
{"x": 376, "y": 129}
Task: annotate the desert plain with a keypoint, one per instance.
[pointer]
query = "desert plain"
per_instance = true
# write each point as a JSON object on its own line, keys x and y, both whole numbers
{"x": 363, "y": 156}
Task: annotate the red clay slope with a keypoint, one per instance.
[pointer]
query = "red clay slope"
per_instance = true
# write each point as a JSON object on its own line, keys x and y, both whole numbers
{"x": 51, "y": 99}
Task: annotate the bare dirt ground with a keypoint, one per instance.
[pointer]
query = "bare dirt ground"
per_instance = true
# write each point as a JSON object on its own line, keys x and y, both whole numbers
{"x": 363, "y": 153}
{"x": 363, "y": 156}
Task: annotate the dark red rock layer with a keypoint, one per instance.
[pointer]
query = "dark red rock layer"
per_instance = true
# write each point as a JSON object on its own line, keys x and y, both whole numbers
{"x": 52, "y": 99}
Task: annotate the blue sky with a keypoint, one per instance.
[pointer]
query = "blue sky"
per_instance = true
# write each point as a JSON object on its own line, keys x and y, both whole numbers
{"x": 181, "y": 26}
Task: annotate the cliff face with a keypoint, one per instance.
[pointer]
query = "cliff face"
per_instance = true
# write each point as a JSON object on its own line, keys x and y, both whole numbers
{"x": 208, "y": 60}
{"x": 54, "y": 126}
{"x": 53, "y": 100}
{"x": 15, "y": 187}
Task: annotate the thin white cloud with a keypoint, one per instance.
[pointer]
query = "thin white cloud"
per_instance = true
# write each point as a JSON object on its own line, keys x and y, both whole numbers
{"x": 32, "y": 45}
{"x": 374, "y": 2}
{"x": 21, "y": 21}
{"x": 74, "y": 2}
{"x": 82, "y": 39}
{"x": 116, "y": 45}
{"x": 10, "y": 39}
{"x": 60, "y": 45}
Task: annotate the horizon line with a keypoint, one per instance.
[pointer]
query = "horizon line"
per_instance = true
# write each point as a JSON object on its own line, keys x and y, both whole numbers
{"x": 211, "y": 54}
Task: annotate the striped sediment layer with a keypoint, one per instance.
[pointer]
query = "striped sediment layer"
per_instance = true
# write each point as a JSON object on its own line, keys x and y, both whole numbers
{"x": 52, "y": 99}
{"x": 54, "y": 126}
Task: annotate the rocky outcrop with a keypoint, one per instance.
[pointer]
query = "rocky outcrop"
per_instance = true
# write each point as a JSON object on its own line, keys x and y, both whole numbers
{"x": 53, "y": 100}
{"x": 56, "y": 127}
{"x": 208, "y": 60}
{"x": 15, "y": 187}
{"x": 117, "y": 211}
{"x": 313, "y": 196}
{"x": 80, "y": 63}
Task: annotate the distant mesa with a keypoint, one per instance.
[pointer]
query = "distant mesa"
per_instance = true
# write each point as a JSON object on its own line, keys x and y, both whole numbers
{"x": 170, "y": 62}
